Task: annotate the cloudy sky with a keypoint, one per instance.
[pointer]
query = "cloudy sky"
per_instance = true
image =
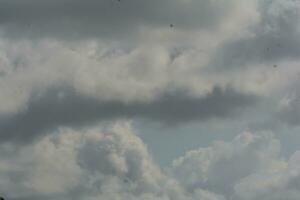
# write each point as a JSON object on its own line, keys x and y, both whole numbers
{"x": 150, "y": 100}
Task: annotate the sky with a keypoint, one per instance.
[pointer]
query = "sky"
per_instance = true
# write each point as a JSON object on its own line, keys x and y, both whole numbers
{"x": 150, "y": 100}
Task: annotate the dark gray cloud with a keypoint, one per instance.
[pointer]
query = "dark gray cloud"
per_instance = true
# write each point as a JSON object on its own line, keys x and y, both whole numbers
{"x": 273, "y": 39}
{"x": 90, "y": 18}
{"x": 67, "y": 108}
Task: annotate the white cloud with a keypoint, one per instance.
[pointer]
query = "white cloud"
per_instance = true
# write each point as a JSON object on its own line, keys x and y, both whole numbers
{"x": 104, "y": 162}
{"x": 109, "y": 161}
{"x": 248, "y": 168}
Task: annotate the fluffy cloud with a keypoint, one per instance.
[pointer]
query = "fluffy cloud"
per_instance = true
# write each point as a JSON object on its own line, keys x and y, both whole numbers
{"x": 248, "y": 168}
{"x": 277, "y": 184}
{"x": 104, "y": 162}
{"x": 76, "y": 63}
{"x": 110, "y": 162}
{"x": 219, "y": 167}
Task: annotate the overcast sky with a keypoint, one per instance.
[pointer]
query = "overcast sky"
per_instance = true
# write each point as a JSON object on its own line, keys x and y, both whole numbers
{"x": 150, "y": 100}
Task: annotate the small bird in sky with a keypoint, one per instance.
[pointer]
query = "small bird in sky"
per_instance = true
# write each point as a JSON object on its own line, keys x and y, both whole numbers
{"x": 171, "y": 25}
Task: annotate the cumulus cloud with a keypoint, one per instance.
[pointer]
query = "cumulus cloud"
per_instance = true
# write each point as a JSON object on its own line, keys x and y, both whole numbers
{"x": 101, "y": 163}
{"x": 67, "y": 65}
{"x": 109, "y": 161}
{"x": 283, "y": 183}
{"x": 219, "y": 167}
{"x": 248, "y": 168}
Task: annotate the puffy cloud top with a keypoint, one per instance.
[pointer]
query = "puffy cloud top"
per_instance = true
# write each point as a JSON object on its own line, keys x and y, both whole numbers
{"x": 109, "y": 161}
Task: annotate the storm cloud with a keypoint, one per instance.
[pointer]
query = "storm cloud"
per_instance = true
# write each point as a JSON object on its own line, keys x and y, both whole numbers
{"x": 65, "y": 107}
{"x": 94, "y": 18}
